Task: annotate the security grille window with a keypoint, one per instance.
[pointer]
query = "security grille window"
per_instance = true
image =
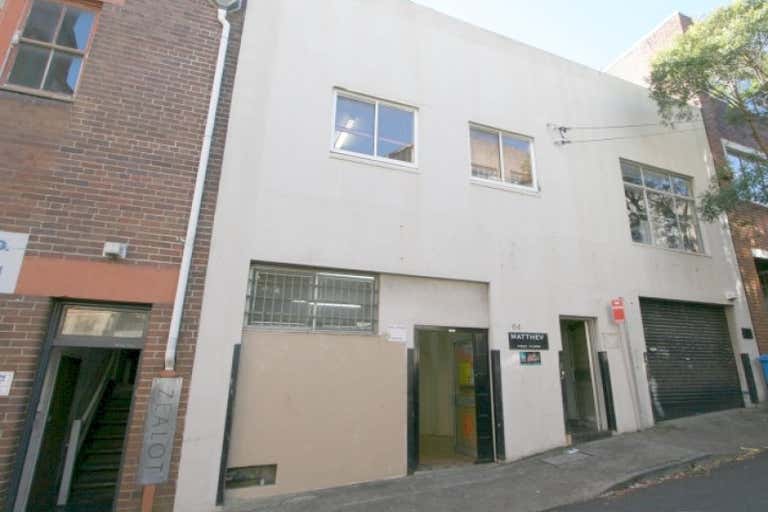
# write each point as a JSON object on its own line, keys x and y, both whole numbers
{"x": 661, "y": 208}
{"x": 315, "y": 300}
{"x": 51, "y": 49}
{"x": 502, "y": 157}
{"x": 374, "y": 128}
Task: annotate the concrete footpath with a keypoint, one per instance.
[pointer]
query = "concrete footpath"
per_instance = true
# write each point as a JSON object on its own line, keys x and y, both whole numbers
{"x": 545, "y": 481}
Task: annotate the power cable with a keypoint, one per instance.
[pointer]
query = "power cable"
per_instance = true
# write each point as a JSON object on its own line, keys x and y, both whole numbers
{"x": 564, "y": 141}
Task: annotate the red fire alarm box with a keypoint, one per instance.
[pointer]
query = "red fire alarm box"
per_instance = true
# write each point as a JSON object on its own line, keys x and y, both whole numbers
{"x": 617, "y": 308}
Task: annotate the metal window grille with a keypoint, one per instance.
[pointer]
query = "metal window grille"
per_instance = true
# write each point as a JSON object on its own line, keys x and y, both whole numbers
{"x": 308, "y": 299}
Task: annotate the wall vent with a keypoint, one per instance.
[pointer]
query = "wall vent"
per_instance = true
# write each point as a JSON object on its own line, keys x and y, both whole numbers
{"x": 251, "y": 476}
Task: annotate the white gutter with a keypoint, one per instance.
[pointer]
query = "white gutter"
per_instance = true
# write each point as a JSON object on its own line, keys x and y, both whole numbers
{"x": 194, "y": 215}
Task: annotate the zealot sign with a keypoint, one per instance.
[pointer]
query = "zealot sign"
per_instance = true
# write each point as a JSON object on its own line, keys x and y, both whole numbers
{"x": 159, "y": 431}
{"x": 12, "y": 248}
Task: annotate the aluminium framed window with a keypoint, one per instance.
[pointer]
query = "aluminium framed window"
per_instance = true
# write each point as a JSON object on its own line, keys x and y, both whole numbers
{"x": 661, "y": 208}
{"x": 374, "y": 129}
{"x": 50, "y": 49}
{"x": 307, "y": 299}
{"x": 502, "y": 157}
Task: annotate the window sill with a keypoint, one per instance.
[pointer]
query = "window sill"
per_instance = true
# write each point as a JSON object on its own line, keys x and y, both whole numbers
{"x": 674, "y": 251}
{"x": 378, "y": 162}
{"x": 38, "y": 93}
{"x": 519, "y": 189}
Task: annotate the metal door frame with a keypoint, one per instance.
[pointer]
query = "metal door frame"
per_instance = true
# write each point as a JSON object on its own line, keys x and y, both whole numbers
{"x": 590, "y": 328}
{"x": 413, "y": 391}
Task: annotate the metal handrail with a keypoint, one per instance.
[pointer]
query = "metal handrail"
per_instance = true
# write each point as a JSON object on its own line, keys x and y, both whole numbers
{"x": 79, "y": 430}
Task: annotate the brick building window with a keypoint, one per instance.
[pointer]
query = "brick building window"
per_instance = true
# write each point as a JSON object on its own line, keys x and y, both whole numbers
{"x": 762, "y": 273}
{"x": 51, "y": 47}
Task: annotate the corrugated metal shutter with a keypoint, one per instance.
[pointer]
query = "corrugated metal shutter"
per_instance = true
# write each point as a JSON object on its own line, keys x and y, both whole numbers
{"x": 691, "y": 365}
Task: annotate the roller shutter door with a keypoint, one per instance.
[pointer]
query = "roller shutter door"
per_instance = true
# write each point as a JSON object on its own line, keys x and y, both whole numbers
{"x": 691, "y": 366}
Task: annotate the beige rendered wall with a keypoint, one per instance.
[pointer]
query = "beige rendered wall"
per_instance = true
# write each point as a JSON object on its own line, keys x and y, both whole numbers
{"x": 327, "y": 409}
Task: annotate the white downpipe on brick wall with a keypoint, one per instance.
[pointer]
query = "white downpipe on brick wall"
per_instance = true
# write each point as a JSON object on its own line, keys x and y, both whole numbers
{"x": 194, "y": 215}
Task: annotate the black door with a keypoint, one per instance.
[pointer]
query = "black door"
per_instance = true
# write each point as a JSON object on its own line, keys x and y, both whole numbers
{"x": 483, "y": 406}
{"x": 691, "y": 364}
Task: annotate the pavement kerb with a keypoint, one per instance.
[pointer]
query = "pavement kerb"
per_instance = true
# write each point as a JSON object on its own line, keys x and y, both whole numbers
{"x": 637, "y": 476}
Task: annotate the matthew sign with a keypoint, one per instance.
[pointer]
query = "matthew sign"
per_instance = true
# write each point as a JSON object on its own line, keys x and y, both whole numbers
{"x": 12, "y": 248}
{"x": 528, "y": 341}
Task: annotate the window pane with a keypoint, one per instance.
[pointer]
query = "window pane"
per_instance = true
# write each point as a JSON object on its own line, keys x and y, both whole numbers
{"x": 83, "y": 321}
{"x": 42, "y": 21}
{"x": 638, "y": 216}
{"x": 656, "y": 180}
{"x": 631, "y": 173}
{"x": 395, "y": 133}
{"x": 63, "y": 73}
{"x": 345, "y": 303}
{"x": 689, "y": 225}
{"x": 664, "y": 221}
{"x": 762, "y": 272}
{"x": 485, "y": 154}
{"x": 281, "y": 298}
{"x": 735, "y": 163}
{"x": 75, "y": 29}
{"x": 681, "y": 186}
{"x": 29, "y": 67}
{"x": 354, "y": 126}
{"x": 518, "y": 164}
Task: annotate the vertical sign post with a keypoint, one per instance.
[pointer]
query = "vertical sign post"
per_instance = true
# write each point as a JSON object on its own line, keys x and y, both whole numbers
{"x": 159, "y": 431}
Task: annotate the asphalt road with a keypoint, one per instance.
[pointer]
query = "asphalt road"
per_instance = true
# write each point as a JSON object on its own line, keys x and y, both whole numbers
{"x": 735, "y": 487}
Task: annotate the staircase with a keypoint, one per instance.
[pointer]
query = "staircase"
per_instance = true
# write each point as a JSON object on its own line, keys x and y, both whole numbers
{"x": 96, "y": 472}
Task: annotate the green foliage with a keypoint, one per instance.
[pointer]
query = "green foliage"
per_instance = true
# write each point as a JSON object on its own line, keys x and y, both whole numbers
{"x": 724, "y": 57}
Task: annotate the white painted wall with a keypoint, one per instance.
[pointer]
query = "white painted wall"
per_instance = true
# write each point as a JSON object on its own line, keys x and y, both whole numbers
{"x": 563, "y": 251}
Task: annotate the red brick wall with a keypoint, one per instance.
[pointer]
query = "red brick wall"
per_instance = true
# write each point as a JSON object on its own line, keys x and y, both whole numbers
{"x": 118, "y": 163}
{"x": 23, "y": 321}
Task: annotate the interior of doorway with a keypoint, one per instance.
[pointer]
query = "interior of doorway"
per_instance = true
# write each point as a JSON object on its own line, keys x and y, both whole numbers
{"x": 578, "y": 381}
{"x": 447, "y": 412}
{"x": 85, "y": 405}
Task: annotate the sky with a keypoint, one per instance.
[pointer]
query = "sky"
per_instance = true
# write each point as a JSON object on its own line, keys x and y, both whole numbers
{"x": 592, "y": 32}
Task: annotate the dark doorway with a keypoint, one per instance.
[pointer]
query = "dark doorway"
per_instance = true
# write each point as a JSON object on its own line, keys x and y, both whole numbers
{"x": 73, "y": 441}
{"x": 577, "y": 379}
{"x": 453, "y": 416}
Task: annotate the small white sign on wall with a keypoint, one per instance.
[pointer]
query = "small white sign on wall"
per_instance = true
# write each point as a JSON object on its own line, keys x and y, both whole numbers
{"x": 6, "y": 381}
{"x": 12, "y": 248}
{"x": 397, "y": 334}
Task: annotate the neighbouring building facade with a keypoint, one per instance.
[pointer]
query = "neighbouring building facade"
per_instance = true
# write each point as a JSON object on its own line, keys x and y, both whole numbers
{"x": 731, "y": 145}
{"x": 436, "y": 245}
{"x": 102, "y": 112}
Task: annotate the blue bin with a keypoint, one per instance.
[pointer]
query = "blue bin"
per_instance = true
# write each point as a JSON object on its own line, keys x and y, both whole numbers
{"x": 764, "y": 361}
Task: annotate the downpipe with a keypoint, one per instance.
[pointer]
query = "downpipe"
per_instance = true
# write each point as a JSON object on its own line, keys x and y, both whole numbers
{"x": 194, "y": 216}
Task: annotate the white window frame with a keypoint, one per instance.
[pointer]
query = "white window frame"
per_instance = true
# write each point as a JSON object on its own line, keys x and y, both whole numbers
{"x": 534, "y": 187}
{"x": 377, "y": 102}
{"x": 645, "y": 189}
{"x": 740, "y": 148}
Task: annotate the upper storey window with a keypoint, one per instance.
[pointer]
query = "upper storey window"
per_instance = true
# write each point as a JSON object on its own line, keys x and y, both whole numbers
{"x": 661, "y": 208}
{"x": 502, "y": 157}
{"x": 53, "y": 43}
{"x": 374, "y": 129}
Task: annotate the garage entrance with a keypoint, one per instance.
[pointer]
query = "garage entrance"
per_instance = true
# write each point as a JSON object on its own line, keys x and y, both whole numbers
{"x": 691, "y": 364}
{"x": 453, "y": 398}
